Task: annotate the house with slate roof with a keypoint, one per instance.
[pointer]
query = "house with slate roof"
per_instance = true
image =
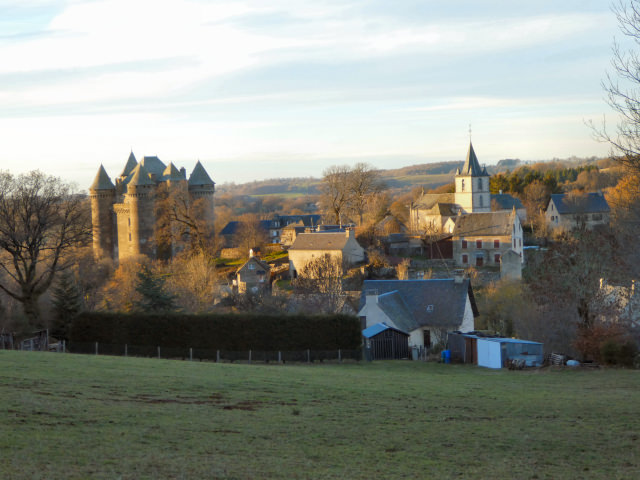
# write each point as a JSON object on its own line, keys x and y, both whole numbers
{"x": 426, "y": 309}
{"x": 124, "y": 214}
{"x": 273, "y": 227}
{"x": 571, "y": 211}
{"x": 430, "y": 212}
{"x": 483, "y": 239}
{"x": 253, "y": 276}
{"x": 341, "y": 246}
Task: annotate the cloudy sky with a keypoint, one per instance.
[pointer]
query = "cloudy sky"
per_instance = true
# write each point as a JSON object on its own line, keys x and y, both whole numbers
{"x": 279, "y": 88}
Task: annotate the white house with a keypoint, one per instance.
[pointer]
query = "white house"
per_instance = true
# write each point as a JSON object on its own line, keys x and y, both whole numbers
{"x": 427, "y": 309}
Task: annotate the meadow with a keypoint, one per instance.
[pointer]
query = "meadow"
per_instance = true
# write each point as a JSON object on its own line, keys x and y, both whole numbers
{"x": 83, "y": 416}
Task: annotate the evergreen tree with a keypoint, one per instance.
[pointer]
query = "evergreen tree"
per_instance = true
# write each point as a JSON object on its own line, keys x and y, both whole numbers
{"x": 66, "y": 304}
{"x": 154, "y": 296}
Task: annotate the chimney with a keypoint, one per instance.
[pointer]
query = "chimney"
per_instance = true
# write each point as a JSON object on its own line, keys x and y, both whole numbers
{"x": 500, "y": 192}
{"x": 349, "y": 232}
{"x": 371, "y": 296}
{"x": 250, "y": 252}
{"x": 458, "y": 276}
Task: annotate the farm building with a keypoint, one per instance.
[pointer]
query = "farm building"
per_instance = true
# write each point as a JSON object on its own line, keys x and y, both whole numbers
{"x": 383, "y": 342}
{"x": 493, "y": 352}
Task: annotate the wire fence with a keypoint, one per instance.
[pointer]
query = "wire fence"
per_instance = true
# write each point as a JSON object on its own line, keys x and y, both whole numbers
{"x": 209, "y": 354}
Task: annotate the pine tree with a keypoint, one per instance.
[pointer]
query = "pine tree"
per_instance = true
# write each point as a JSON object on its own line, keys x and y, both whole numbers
{"x": 154, "y": 296}
{"x": 66, "y": 304}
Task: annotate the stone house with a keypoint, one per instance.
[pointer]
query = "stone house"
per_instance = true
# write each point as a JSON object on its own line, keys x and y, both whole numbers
{"x": 254, "y": 276}
{"x": 570, "y": 211}
{"x": 273, "y": 227}
{"x": 342, "y": 246}
{"x": 483, "y": 238}
{"x": 426, "y": 309}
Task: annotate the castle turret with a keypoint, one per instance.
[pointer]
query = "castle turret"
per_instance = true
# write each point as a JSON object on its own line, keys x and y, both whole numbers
{"x": 201, "y": 190}
{"x": 131, "y": 164}
{"x": 103, "y": 196}
{"x": 472, "y": 185}
{"x": 136, "y": 216}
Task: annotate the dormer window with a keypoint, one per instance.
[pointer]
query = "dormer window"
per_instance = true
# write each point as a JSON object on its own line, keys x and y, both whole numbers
{"x": 252, "y": 266}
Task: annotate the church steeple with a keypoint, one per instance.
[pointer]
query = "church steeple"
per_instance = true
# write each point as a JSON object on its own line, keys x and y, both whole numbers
{"x": 472, "y": 185}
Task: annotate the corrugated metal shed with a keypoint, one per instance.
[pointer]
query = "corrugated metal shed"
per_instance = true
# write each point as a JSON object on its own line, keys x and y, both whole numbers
{"x": 374, "y": 330}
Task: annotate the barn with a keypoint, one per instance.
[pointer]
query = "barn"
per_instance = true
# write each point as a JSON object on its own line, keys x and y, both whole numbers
{"x": 383, "y": 342}
{"x": 492, "y": 351}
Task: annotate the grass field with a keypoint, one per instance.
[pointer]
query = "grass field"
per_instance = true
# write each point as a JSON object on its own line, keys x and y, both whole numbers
{"x": 74, "y": 416}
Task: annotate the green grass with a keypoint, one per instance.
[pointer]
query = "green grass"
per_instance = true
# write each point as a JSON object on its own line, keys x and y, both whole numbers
{"x": 73, "y": 416}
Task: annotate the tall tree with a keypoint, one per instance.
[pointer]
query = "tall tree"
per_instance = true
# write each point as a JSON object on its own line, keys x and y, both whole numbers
{"x": 41, "y": 220}
{"x": 335, "y": 191}
{"x": 155, "y": 297}
{"x": 66, "y": 303}
{"x": 364, "y": 183}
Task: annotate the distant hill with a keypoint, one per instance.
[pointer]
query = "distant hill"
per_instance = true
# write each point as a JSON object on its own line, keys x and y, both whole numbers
{"x": 398, "y": 180}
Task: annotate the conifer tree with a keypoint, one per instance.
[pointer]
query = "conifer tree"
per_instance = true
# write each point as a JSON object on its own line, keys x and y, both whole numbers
{"x": 155, "y": 298}
{"x": 66, "y": 303}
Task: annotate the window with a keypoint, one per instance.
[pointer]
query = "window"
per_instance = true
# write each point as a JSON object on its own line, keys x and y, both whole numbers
{"x": 465, "y": 259}
{"x": 252, "y": 266}
{"x": 480, "y": 200}
{"x": 429, "y": 308}
{"x": 514, "y": 243}
{"x": 597, "y": 216}
{"x": 496, "y": 258}
{"x": 478, "y": 243}
{"x": 496, "y": 244}
{"x": 480, "y": 188}
{"x": 462, "y": 184}
{"x": 464, "y": 244}
{"x": 479, "y": 261}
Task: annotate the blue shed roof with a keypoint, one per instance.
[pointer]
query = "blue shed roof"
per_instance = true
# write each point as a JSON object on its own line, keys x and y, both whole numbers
{"x": 374, "y": 330}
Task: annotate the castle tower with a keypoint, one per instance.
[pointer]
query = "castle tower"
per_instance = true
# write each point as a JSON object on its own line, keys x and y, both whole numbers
{"x": 201, "y": 190}
{"x": 136, "y": 216}
{"x": 103, "y": 195}
{"x": 131, "y": 164}
{"x": 472, "y": 185}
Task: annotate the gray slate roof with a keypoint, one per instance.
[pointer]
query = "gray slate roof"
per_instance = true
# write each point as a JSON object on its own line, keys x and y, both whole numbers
{"x": 506, "y": 201}
{"x": 102, "y": 181}
{"x": 199, "y": 176}
{"x": 489, "y": 224}
{"x": 589, "y": 203}
{"x": 429, "y": 200}
{"x": 140, "y": 176}
{"x": 153, "y": 165}
{"x": 406, "y": 302}
{"x": 320, "y": 241}
{"x": 261, "y": 263}
{"x": 472, "y": 166}
{"x": 129, "y": 166}
{"x": 171, "y": 173}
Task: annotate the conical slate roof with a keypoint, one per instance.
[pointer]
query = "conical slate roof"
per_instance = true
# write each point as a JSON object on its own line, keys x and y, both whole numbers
{"x": 153, "y": 165}
{"x": 471, "y": 165}
{"x": 130, "y": 165}
{"x": 171, "y": 173}
{"x": 199, "y": 176}
{"x": 102, "y": 181}
{"x": 140, "y": 176}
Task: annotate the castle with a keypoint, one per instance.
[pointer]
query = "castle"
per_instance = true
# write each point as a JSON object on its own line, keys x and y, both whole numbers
{"x": 126, "y": 217}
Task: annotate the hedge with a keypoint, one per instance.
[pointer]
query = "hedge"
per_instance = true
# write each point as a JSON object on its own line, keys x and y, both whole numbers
{"x": 233, "y": 332}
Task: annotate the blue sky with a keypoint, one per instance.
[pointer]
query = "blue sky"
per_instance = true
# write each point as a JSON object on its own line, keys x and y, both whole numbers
{"x": 279, "y": 88}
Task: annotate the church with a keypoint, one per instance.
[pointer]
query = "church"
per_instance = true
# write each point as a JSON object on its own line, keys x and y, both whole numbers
{"x": 126, "y": 217}
{"x": 429, "y": 213}
{"x": 485, "y": 229}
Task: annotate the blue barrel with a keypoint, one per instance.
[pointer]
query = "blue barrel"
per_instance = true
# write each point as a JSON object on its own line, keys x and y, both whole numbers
{"x": 446, "y": 354}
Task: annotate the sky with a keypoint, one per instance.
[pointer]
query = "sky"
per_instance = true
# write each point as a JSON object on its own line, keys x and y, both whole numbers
{"x": 259, "y": 89}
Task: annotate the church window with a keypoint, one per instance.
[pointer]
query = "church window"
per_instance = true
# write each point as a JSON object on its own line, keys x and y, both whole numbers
{"x": 480, "y": 201}
{"x": 480, "y": 188}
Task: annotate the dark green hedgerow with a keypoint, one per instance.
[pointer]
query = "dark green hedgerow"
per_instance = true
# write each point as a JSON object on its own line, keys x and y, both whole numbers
{"x": 234, "y": 332}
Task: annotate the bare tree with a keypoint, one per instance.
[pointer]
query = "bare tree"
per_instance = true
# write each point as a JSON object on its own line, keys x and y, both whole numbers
{"x": 41, "y": 220}
{"x": 622, "y": 89}
{"x": 335, "y": 191}
{"x": 250, "y": 234}
{"x": 364, "y": 183}
{"x": 320, "y": 283}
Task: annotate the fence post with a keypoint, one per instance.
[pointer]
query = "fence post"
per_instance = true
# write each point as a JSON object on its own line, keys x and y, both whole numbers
{"x": 308, "y": 356}
{"x": 340, "y": 355}
{"x": 126, "y": 353}
{"x": 249, "y": 357}
{"x": 64, "y": 346}
{"x": 191, "y": 354}
{"x": 279, "y": 356}
{"x": 217, "y": 356}
{"x": 96, "y": 348}
{"x": 158, "y": 351}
